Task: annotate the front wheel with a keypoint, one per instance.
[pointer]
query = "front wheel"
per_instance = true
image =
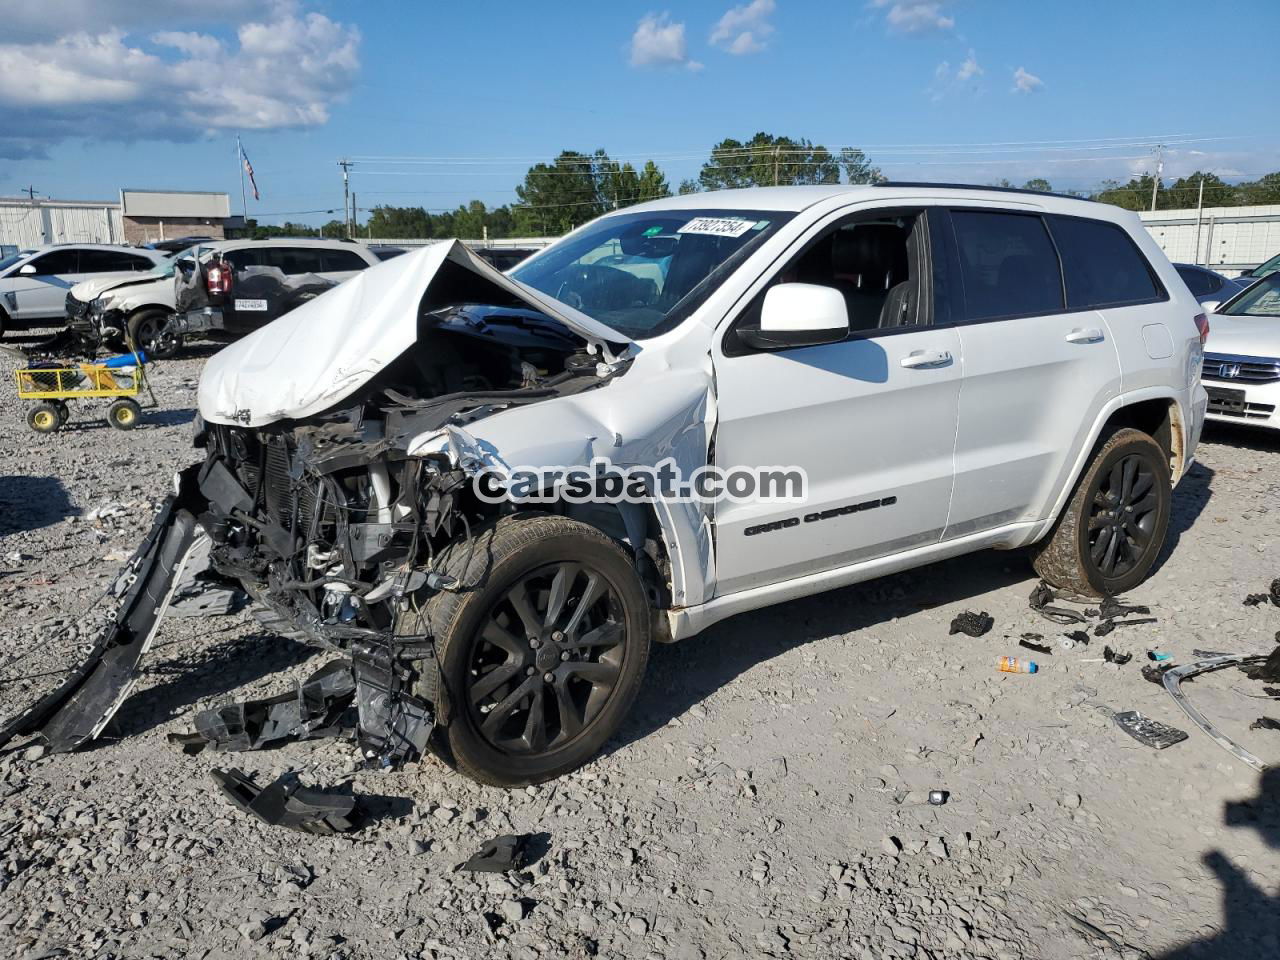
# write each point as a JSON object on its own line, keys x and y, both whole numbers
{"x": 542, "y": 648}
{"x": 1110, "y": 535}
{"x": 151, "y": 332}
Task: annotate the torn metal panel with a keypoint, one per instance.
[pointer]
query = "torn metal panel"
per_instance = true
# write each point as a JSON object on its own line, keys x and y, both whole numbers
{"x": 79, "y": 709}
{"x": 326, "y": 363}
{"x": 1172, "y": 683}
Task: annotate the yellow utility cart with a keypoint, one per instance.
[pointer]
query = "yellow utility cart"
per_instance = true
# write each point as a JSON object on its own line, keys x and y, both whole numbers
{"x": 122, "y": 378}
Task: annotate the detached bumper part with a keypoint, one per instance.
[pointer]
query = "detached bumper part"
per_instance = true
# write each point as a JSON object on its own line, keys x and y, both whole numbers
{"x": 1172, "y": 683}
{"x": 287, "y": 803}
{"x": 394, "y": 725}
{"x": 79, "y": 709}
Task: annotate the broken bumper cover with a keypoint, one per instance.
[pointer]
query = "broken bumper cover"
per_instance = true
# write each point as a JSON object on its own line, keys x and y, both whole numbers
{"x": 79, "y": 709}
{"x": 195, "y": 322}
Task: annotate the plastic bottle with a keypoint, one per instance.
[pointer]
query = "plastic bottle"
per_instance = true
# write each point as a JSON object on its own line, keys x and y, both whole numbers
{"x": 1014, "y": 665}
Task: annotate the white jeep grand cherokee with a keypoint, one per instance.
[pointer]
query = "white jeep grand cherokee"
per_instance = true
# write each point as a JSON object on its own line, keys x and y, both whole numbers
{"x": 952, "y": 369}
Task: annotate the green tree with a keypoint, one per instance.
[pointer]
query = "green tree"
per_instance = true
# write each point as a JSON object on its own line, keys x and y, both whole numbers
{"x": 1186, "y": 191}
{"x": 857, "y": 168}
{"x": 653, "y": 183}
{"x": 1134, "y": 195}
{"x": 558, "y": 196}
{"x": 1266, "y": 189}
{"x": 688, "y": 187}
{"x": 400, "y": 223}
{"x": 1039, "y": 184}
{"x": 767, "y": 160}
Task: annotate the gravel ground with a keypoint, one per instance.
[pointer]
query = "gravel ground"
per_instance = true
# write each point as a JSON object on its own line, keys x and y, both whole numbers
{"x": 766, "y": 798}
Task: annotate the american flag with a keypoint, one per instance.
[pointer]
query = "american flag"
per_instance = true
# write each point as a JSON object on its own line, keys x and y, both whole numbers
{"x": 248, "y": 168}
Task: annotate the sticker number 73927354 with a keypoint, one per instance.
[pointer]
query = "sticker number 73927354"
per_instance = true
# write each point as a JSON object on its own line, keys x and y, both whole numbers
{"x": 718, "y": 226}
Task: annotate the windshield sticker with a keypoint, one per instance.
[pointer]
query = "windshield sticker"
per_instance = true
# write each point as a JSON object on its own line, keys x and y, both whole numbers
{"x": 717, "y": 226}
{"x": 652, "y": 232}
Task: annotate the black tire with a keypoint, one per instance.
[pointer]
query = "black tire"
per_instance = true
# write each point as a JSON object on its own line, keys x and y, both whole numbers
{"x": 1111, "y": 532}
{"x": 64, "y": 411}
{"x": 149, "y": 331}
{"x": 124, "y": 414}
{"x": 542, "y": 562}
{"x": 43, "y": 417}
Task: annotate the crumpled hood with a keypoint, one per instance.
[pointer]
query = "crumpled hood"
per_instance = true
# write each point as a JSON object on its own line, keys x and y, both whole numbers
{"x": 87, "y": 290}
{"x": 326, "y": 349}
{"x": 1243, "y": 336}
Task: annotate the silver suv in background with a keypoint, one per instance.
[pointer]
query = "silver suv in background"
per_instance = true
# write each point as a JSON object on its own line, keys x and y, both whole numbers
{"x": 34, "y": 284}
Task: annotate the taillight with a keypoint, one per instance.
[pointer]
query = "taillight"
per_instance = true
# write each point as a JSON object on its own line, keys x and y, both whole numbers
{"x": 1202, "y": 324}
{"x": 217, "y": 278}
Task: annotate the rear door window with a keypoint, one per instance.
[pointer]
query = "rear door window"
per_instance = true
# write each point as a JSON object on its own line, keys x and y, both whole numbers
{"x": 111, "y": 261}
{"x": 1103, "y": 265}
{"x": 297, "y": 260}
{"x": 1008, "y": 265}
{"x": 1197, "y": 281}
{"x": 239, "y": 259}
{"x": 341, "y": 261}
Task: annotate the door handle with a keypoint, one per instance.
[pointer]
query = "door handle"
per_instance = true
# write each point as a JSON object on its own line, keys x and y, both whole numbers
{"x": 1085, "y": 335}
{"x": 924, "y": 359}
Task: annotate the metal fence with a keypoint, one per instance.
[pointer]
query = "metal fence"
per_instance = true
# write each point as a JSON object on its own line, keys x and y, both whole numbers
{"x": 32, "y": 223}
{"x": 1227, "y": 239}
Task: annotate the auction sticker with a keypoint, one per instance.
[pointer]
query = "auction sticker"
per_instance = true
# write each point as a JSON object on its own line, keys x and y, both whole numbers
{"x": 251, "y": 305}
{"x": 717, "y": 226}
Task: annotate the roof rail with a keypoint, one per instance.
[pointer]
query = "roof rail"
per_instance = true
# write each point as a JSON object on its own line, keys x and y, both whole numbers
{"x": 978, "y": 186}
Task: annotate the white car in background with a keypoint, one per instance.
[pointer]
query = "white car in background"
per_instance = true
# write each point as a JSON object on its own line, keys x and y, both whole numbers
{"x": 34, "y": 285}
{"x": 1242, "y": 356}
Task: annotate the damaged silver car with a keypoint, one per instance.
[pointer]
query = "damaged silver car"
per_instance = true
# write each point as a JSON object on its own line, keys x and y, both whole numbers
{"x": 825, "y": 328}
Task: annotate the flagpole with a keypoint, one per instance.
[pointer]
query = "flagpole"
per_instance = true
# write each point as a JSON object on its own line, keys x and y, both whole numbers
{"x": 244, "y": 205}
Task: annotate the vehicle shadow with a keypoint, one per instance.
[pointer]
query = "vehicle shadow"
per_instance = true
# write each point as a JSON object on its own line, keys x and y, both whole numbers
{"x": 208, "y": 671}
{"x": 685, "y": 673}
{"x": 1190, "y": 498}
{"x": 1250, "y": 916}
{"x": 167, "y": 418}
{"x": 29, "y": 503}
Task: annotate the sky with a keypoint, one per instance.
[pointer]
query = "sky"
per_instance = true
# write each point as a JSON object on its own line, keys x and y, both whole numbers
{"x": 99, "y": 95}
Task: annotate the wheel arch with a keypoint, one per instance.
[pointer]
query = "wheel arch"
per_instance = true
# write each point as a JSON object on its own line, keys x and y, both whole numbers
{"x": 1156, "y": 411}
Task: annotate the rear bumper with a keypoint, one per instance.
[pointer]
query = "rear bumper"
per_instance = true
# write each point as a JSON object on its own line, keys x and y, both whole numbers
{"x": 194, "y": 323}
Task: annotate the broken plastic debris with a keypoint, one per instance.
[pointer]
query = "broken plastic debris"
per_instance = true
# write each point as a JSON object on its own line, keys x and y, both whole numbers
{"x": 1153, "y": 733}
{"x": 1041, "y": 599}
{"x": 938, "y": 797}
{"x": 1173, "y": 684}
{"x": 1268, "y": 670}
{"x": 1028, "y": 639}
{"x": 1112, "y": 656}
{"x": 285, "y": 802}
{"x": 1273, "y": 596}
{"x": 972, "y": 624}
{"x": 507, "y": 852}
{"x": 317, "y": 708}
{"x": 1265, "y": 723}
{"x": 1104, "y": 628}
{"x": 1154, "y": 673}
{"x": 1112, "y": 609}
{"x": 1158, "y": 657}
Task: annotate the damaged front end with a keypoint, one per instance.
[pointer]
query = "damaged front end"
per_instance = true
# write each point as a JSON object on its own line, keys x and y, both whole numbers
{"x": 313, "y": 503}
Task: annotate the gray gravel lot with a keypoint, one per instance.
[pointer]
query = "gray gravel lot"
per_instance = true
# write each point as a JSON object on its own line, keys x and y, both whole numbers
{"x": 767, "y": 797}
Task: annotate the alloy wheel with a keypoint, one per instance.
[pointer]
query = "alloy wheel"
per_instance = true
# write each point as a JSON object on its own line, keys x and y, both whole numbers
{"x": 1123, "y": 516}
{"x": 546, "y": 659}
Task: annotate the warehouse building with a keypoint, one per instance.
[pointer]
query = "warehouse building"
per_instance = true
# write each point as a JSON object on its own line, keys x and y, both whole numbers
{"x": 137, "y": 217}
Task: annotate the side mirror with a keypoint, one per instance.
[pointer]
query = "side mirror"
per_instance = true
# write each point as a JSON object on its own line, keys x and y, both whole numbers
{"x": 799, "y": 315}
{"x": 27, "y": 270}
{"x": 1208, "y": 306}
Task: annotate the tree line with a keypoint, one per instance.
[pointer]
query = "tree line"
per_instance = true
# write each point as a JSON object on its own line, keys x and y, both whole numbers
{"x": 576, "y": 187}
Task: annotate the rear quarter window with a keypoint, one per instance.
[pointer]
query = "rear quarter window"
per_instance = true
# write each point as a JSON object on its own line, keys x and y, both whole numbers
{"x": 1103, "y": 266}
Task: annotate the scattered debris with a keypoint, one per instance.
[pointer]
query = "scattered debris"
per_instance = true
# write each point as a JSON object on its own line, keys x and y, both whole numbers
{"x": 938, "y": 797}
{"x": 1272, "y": 596}
{"x": 1158, "y": 657}
{"x": 1172, "y": 682}
{"x": 1080, "y": 637}
{"x": 972, "y": 624}
{"x": 1265, "y": 723}
{"x": 1113, "y": 609}
{"x": 507, "y": 852}
{"x": 1268, "y": 670}
{"x": 1014, "y": 665}
{"x": 1026, "y": 641}
{"x": 1154, "y": 673}
{"x": 1041, "y": 600}
{"x": 1153, "y": 733}
{"x": 319, "y": 707}
{"x": 1113, "y": 656}
{"x": 285, "y": 802}
{"x": 1104, "y": 628}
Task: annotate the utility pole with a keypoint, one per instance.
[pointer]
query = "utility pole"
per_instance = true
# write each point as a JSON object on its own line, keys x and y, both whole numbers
{"x": 31, "y": 194}
{"x": 1155, "y": 181}
{"x": 346, "y": 165}
{"x": 775, "y": 164}
{"x": 355, "y": 217}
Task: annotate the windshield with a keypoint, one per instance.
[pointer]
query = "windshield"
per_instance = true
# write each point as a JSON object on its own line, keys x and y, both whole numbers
{"x": 1260, "y": 300}
{"x": 644, "y": 273}
{"x": 1266, "y": 269}
{"x": 10, "y": 260}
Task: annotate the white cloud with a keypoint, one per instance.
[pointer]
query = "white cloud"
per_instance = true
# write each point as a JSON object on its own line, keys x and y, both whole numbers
{"x": 659, "y": 42}
{"x": 914, "y": 16}
{"x": 969, "y": 69}
{"x": 284, "y": 70}
{"x": 1024, "y": 82}
{"x": 744, "y": 29}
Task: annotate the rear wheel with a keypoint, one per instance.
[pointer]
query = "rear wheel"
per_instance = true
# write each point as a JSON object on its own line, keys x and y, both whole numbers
{"x": 1113, "y": 528}
{"x": 150, "y": 332}
{"x": 64, "y": 412}
{"x": 541, "y": 651}
{"x": 44, "y": 418}
{"x": 124, "y": 414}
